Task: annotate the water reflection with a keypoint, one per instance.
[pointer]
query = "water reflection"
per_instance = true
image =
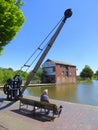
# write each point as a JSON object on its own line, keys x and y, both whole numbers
{"x": 82, "y": 93}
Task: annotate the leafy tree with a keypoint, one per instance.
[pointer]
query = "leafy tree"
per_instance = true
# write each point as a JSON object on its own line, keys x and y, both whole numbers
{"x": 1, "y": 75}
{"x": 6, "y": 73}
{"x": 96, "y": 74}
{"x": 87, "y": 72}
{"x": 19, "y": 3}
{"x": 38, "y": 74}
{"x": 22, "y": 73}
{"x": 11, "y": 20}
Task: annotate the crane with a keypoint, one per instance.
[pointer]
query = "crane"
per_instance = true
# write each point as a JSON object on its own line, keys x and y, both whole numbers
{"x": 12, "y": 87}
{"x": 67, "y": 14}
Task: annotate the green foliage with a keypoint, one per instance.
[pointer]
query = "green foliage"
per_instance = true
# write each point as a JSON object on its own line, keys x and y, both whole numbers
{"x": 96, "y": 75}
{"x": 88, "y": 80}
{"x": 6, "y": 73}
{"x": 87, "y": 72}
{"x": 11, "y": 20}
{"x": 19, "y": 3}
{"x": 22, "y": 73}
{"x": 38, "y": 74}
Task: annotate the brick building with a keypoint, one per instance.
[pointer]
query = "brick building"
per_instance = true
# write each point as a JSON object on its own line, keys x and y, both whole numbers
{"x": 58, "y": 72}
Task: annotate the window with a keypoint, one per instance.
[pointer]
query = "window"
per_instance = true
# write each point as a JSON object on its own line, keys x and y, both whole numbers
{"x": 66, "y": 67}
{"x": 53, "y": 69}
{"x": 62, "y": 73}
{"x": 67, "y": 74}
{"x": 70, "y": 73}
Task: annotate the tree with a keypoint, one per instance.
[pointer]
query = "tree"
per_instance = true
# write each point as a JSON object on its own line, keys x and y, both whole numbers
{"x": 1, "y": 75}
{"x": 19, "y": 3}
{"x": 22, "y": 73}
{"x": 38, "y": 74}
{"x": 6, "y": 73}
{"x": 87, "y": 72}
{"x": 11, "y": 20}
{"x": 96, "y": 74}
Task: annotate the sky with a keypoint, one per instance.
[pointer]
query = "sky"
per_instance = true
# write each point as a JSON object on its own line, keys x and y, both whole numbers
{"x": 76, "y": 44}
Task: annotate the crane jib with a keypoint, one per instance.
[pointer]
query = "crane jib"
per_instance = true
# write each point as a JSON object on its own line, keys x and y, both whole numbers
{"x": 67, "y": 14}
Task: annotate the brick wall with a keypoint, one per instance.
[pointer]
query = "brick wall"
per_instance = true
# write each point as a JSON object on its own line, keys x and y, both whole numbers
{"x": 65, "y": 74}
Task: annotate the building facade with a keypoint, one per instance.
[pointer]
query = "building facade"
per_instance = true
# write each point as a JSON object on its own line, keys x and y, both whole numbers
{"x": 58, "y": 72}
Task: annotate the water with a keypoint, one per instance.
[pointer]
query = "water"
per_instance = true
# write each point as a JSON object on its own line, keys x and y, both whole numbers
{"x": 83, "y": 93}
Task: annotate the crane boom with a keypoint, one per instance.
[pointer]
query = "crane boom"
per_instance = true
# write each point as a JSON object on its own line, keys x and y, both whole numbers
{"x": 67, "y": 14}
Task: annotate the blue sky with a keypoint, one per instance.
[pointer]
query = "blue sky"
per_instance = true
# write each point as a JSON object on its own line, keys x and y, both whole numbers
{"x": 76, "y": 44}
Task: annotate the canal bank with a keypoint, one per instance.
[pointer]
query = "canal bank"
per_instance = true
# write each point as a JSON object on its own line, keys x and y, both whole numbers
{"x": 73, "y": 117}
{"x": 83, "y": 93}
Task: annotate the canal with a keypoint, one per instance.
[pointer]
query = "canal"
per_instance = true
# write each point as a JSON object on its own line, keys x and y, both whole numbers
{"x": 83, "y": 93}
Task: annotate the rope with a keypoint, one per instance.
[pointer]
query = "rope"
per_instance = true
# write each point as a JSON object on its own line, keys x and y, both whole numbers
{"x": 39, "y": 48}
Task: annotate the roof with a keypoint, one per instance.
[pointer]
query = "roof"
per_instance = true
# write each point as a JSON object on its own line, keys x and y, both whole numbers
{"x": 60, "y": 62}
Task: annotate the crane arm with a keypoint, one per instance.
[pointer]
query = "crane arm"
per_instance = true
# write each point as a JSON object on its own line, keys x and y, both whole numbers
{"x": 67, "y": 14}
